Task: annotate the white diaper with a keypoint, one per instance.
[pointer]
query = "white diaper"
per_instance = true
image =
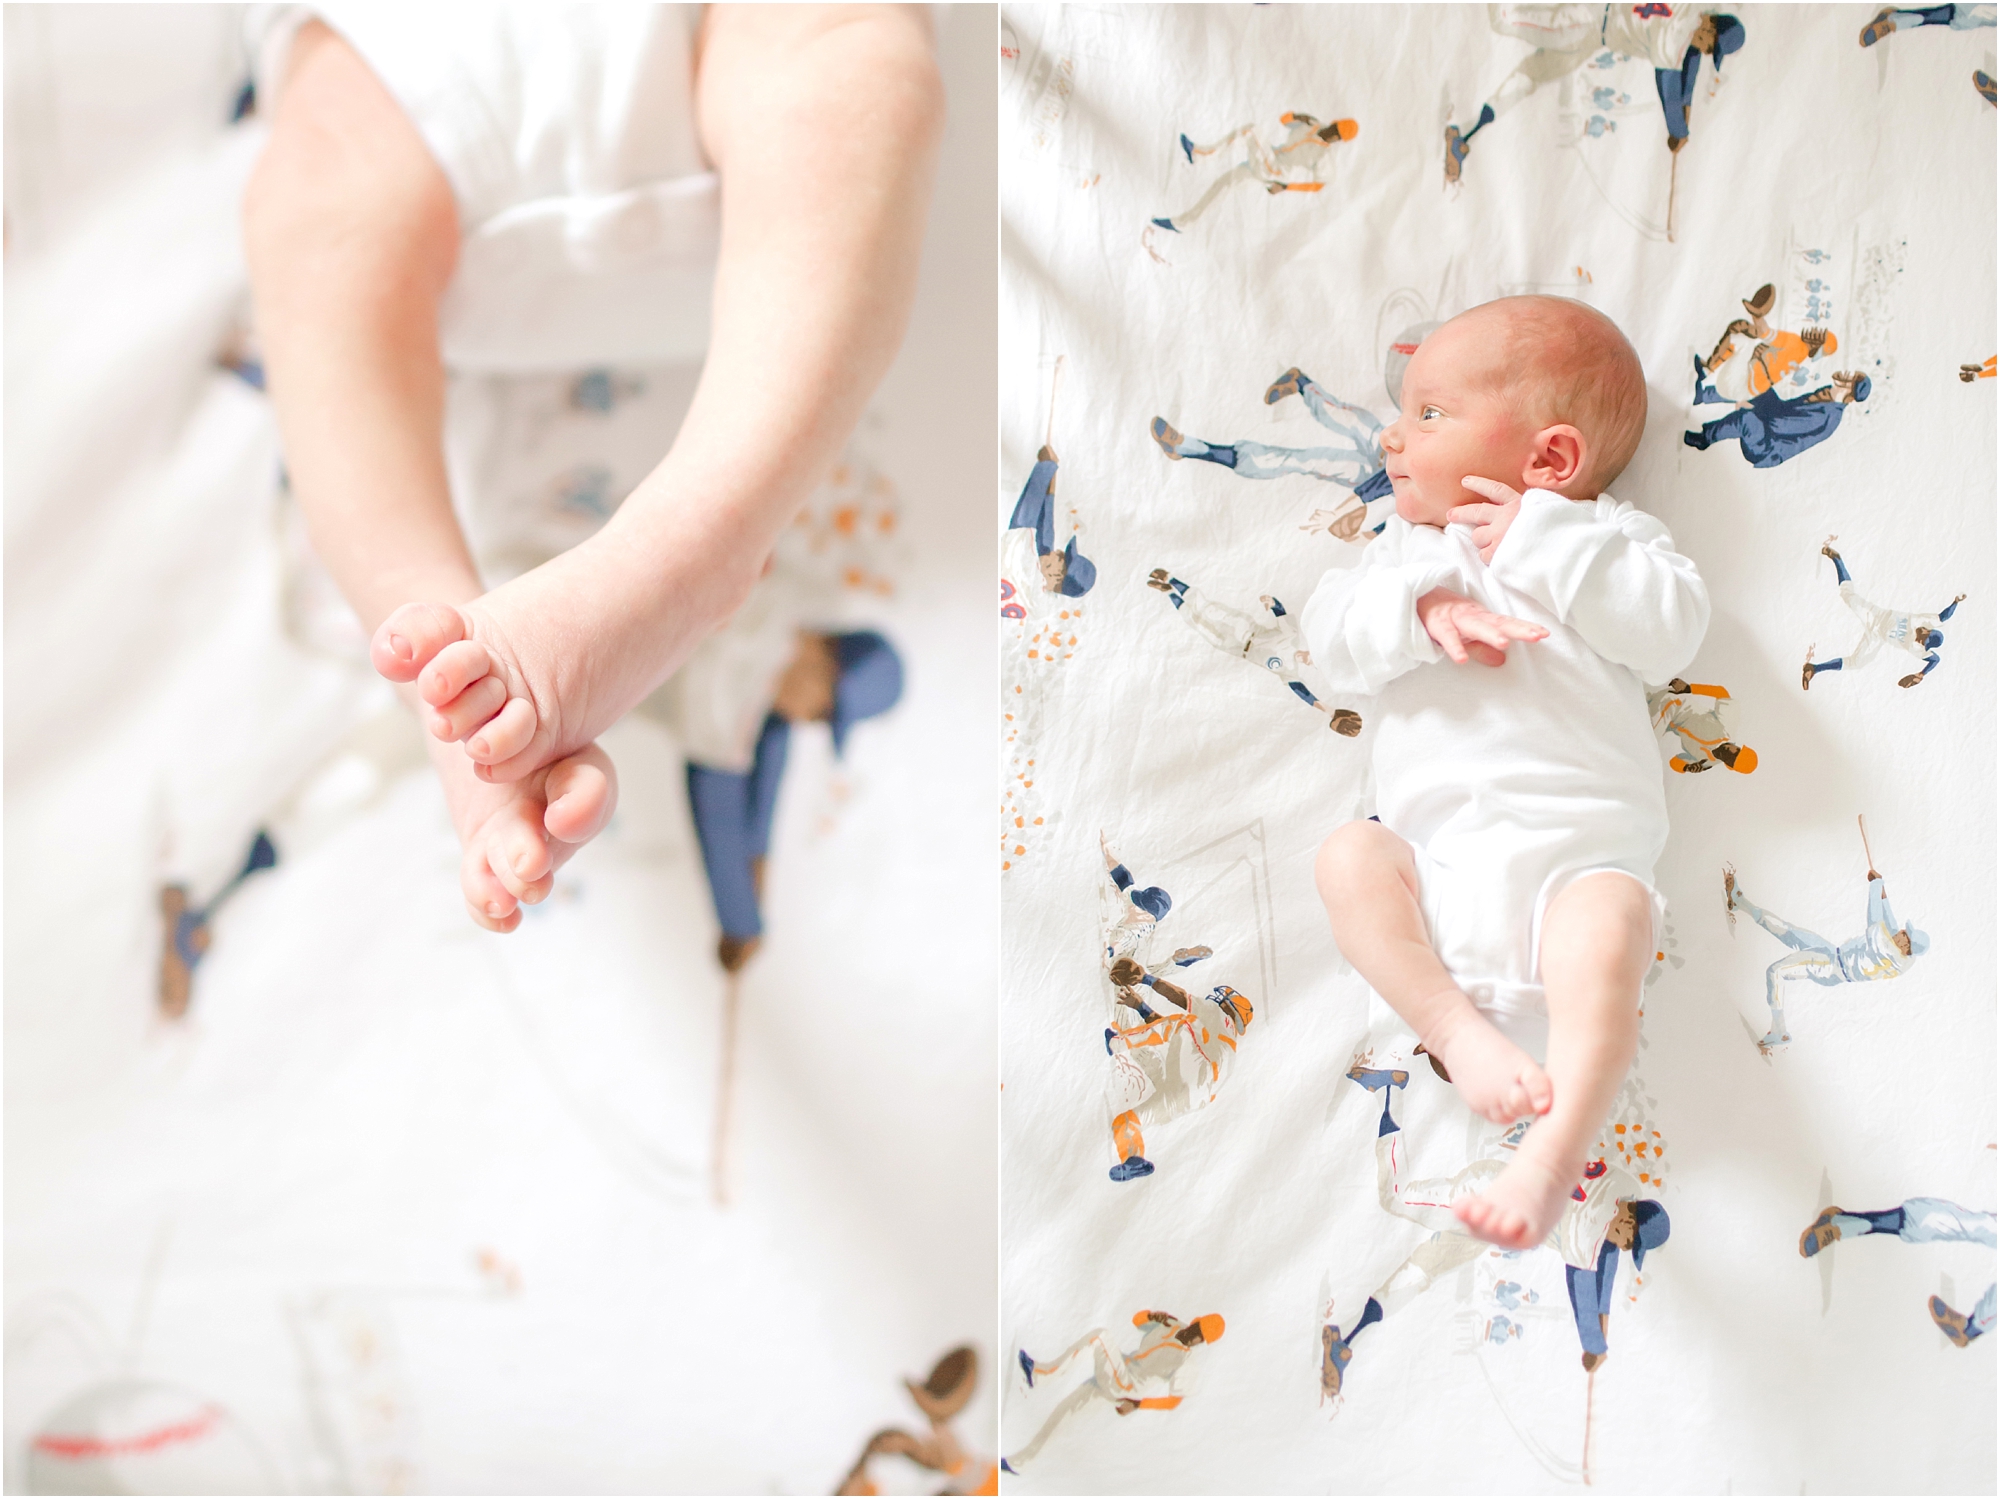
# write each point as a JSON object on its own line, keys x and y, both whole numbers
{"x": 1484, "y": 920}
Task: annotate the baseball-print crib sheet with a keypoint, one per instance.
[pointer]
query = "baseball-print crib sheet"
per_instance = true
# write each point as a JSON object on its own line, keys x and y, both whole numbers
{"x": 396, "y": 1205}
{"x": 1225, "y": 230}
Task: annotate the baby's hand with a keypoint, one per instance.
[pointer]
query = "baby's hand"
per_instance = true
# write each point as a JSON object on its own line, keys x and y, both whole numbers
{"x": 1465, "y": 631}
{"x": 1489, "y": 520}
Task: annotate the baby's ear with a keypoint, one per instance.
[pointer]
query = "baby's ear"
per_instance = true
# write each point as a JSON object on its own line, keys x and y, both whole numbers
{"x": 1557, "y": 458}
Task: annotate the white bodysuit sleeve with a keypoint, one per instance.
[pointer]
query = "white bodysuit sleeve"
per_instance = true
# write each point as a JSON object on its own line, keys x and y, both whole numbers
{"x": 1610, "y": 572}
{"x": 1361, "y": 622}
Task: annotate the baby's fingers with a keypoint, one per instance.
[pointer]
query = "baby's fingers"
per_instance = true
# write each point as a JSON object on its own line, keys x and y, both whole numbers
{"x": 1446, "y": 635}
{"x": 1493, "y": 489}
{"x": 1498, "y": 629}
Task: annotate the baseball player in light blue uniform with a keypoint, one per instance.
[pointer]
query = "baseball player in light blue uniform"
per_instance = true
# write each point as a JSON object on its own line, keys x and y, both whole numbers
{"x": 1957, "y": 17}
{"x": 1356, "y": 464}
{"x": 1919, "y": 1220}
{"x": 1884, "y": 950}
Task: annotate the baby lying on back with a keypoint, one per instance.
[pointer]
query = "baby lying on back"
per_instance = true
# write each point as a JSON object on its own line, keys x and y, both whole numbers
{"x": 1508, "y": 617}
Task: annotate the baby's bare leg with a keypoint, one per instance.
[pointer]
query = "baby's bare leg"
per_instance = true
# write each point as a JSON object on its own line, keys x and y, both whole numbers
{"x": 1597, "y": 939}
{"x": 1368, "y": 879}
{"x": 813, "y": 288}
{"x": 351, "y": 236}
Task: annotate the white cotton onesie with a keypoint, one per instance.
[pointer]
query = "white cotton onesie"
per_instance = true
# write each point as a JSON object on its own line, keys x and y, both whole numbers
{"x": 590, "y": 218}
{"x": 1511, "y": 781}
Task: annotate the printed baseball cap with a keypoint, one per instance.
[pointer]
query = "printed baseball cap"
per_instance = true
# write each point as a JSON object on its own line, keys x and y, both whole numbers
{"x": 870, "y": 682}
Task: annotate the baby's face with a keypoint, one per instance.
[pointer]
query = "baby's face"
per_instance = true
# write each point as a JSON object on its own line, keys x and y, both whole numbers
{"x": 1457, "y": 420}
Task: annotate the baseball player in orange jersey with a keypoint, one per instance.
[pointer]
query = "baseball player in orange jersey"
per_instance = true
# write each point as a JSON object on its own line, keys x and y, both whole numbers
{"x": 1169, "y": 1064}
{"x": 1292, "y": 165}
{"x": 1701, "y": 717}
{"x": 1751, "y": 357}
{"x": 1143, "y": 1378}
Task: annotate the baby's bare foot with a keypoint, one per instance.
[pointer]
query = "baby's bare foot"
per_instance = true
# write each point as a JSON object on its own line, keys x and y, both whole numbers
{"x": 539, "y": 667}
{"x": 1522, "y": 1205}
{"x": 517, "y": 836}
{"x": 1500, "y": 1081}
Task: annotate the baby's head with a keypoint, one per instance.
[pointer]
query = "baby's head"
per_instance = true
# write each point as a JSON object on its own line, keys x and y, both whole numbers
{"x": 1536, "y": 392}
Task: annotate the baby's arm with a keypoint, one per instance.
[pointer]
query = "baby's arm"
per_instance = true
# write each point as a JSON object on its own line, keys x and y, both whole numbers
{"x": 1611, "y": 573}
{"x": 1361, "y": 623}
{"x": 1467, "y": 630}
{"x": 1367, "y": 625}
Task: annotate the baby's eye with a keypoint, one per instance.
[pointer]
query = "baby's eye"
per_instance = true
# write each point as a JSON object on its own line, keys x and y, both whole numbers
{"x": 1427, "y": 413}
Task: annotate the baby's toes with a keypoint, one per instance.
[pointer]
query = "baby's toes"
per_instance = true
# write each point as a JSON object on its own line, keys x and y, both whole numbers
{"x": 409, "y": 638}
{"x": 517, "y": 850}
{"x": 505, "y": 737}
{"x": 470, "y": 710}
{"x": 581, "y": 792}
{"x": 1541, "y": 1093}
{"x": 491, "y": 903}
{"x": 452, "y": 670}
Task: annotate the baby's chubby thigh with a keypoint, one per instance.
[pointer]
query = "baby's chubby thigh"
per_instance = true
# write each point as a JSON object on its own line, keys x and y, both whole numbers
{"x": 1597, "y": 931}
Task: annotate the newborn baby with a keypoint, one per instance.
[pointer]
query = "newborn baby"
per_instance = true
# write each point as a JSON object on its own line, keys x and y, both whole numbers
{"x": 1505, "y": 898}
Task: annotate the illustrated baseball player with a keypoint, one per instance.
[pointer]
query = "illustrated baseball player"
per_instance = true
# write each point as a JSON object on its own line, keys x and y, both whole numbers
{"x": 1356, "y": 464}
{"x": 1751, "y": 357}
{"x": 940, "y": 1397}
{"x": 1135, "y": 911}
{"x": 1770, "y": 428}
{"x": 1958, "y": 17}
{"x": 1920, "y": 1220}
{"x": 1291, "y": 164}
{"x": 1674, "y": 38}
{"x": 1030, "y": 561}
{"x": 1884, "y": 950}
{"x": 1701, "y": 716}
{"x": 1136, "y": 1379}
{"x": 1272, "y": 642}
{"x": 1916, "y": 633}
{"x": 186, "y": 934}
{"x": 1604, "y": 1215}
{"x": 1169, "y": 1064}
{"x": 836, "y": 679}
